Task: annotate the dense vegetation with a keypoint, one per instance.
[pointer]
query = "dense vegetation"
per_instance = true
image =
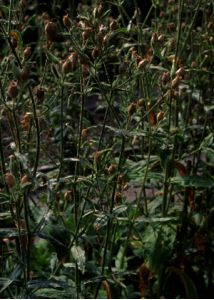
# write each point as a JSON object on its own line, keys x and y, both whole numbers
{"x": 106, "y": 149}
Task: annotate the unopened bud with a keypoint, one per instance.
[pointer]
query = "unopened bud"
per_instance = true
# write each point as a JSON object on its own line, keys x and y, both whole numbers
{"x": 51, "y": 31}
{"x": 142, "y": 64}
{"x": 66, "y": 21}
{"x": 27, "y": 52}
{"x": 95, "y": 52}
{"x": 165, "y": 77}
{"x": 13, "y": 89}
{"x": 85, "y": 133}
{"x": 180, "y": 72}
{"x": 131, "y": 109}
{"x": 39, "y": 91}
{"x": 10, "y": 179}
{"x": 175, "y": 82}
{"x": 25, "y": 179}
{"x": 111, "y": 169}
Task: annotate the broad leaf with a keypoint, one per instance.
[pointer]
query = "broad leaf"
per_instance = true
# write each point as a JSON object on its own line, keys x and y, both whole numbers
{"x": 79, "y": 256}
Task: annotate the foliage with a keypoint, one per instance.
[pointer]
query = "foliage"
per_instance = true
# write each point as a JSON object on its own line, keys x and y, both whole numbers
{"x": 106, "y": 149}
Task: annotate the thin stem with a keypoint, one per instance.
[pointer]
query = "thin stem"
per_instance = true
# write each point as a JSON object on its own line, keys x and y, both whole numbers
{"x": 9, "y": 19}
{"x": 180, "y": 10}
{"x": 190, "y": 28}
{"x": 110, "y": 220}
{"x": 61, "y": 131}
{"x": 36, "y": 121}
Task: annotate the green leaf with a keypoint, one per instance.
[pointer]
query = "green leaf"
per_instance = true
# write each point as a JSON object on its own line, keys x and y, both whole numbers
{"x": 193, "y": 181}
{"x": 38, "y": 284}
{"x": 79, "y": 256}
{"x": 121, "y": 260}
{"x": 50, "y": 293}
{"x": 10, "y": 232}
{"x": 156, "y": 220}
{"x": 5, "y": 215}
{"x": 52, "y": 58}
{"x": 207, "y": 141}
{"x": 13, "y": 276}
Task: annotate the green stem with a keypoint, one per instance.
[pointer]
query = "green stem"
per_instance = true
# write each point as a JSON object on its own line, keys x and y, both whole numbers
{"x": 36, "y": 121}
{"x": 190, "y": 28}
{"x": 110, "y": 220}
{"x": 61, "y": 132}
{"x": 9, "y": 19}
{"x": 180, "y": 10}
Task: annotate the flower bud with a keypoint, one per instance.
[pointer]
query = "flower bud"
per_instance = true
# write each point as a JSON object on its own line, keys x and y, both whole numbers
{"x": 67, "y": 66}
{"x": 68, "y": 196}
{"x": 111, "y": 169}
{"x": 85, "y": 70}
{"x": 142, "y": 64}
{"x": 118, "y": 197}
{"x": 154, "y": 39}
{"x": 23, "y": 4}
{"x": 194, "y": 65}
{"x": 165, "y": 77}
{"x": 66, "y": 21}
{"x": 27, "y": 52}
{"x": 13, "y": 89}
{"x": 131, "y": 109}
{"x": 24, "y": 74}
{"x": 95, "y": 52}
{"x": 175, "y": 82}
{"x": 160, "y": 115}
{"x": 120, "y": 179}
{"x": 140, "y": 102}
{"x": 180, "y": 72}
{"x": 25, "y": 122}
{"x": 14, "y": 42}
{"x": 24, "y": 179}
{"x": 113, "y": 25}
{"x": 9, "y": 179}
{"x": 86, "y": 33}
{"x": 84, "y": 133}
{"x": 39, "y": 91}
{"x": 161, "y": 38}
{"x": 51, "y": 31}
